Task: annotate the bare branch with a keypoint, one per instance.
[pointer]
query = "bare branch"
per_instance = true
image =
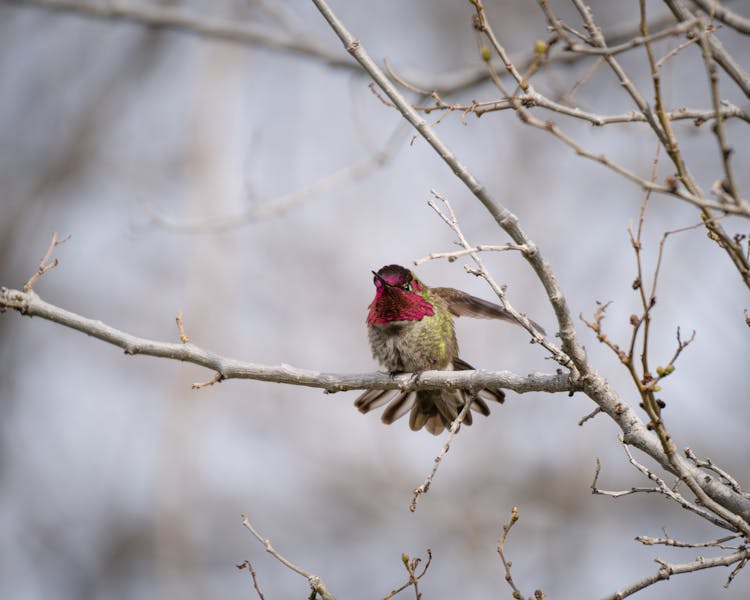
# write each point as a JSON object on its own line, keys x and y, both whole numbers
{"x": 507, "y": 564}
{"x": 411, "y": 568}
{"x": 668, "y": 541}
{"x": 666, "y": 570}
{"x": 709, "y": 465}
{"x": 316, "y": 583}
{"x": 30, "y": 304}
{"x": 45, "y": 264}
{"x": 724, "y": 150}
{"x": 180, "y": 327}
{"x": 669, "y": 492}
{"x": 725, "y": 15}
{"x": 727, "y": 110}
{"x": 725, "y": 60}
{"x": 182, "y": 19}
{"x": 452, "y": 256}
{"x": 597, "y": 491}
{"x": 450, "y": 219}
{"x": 589, "y": 416}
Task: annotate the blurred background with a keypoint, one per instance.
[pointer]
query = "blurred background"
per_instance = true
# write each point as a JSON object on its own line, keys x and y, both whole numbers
{"x": 238, "y": 183}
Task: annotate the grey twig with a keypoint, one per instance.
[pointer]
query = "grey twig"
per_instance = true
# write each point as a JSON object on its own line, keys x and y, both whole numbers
{"x": 451, "y": 256}
{"x": 709, "y": 465}
{"x": 668, "y": 541}
{"x": 316, "y": 583}
{"x": 249, "y": 566}
{"x": 669, "y": 492}
{"x": 724, "y": 58}
{"x": 449, "y": 217}
{"x": 45, "y": 264}
{"x": 411, "y": 565}
{"x": 507, "y": 564}
{"x": 666, "y": 570}
{"x": 725, "y": 15}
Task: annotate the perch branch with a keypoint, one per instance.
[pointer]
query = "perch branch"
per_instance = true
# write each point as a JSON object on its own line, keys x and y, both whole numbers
{"x": 30, "y": 304}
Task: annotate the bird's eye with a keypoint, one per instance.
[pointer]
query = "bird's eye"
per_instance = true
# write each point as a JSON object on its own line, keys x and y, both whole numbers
{"x": 407, "y": 287}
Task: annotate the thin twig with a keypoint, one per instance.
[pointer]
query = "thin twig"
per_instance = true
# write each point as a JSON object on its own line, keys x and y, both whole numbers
{"x": 670, "y": 493}
{"x": 597, "y": 491}
{"x": 455, "y": 426}
{"x": 316, "y": 583}
{"x": 449, "y": 217}
{"x": 725, "y": 15}
{"x": 709, "y": 465}
{"x": 249, "y": 566}
{"x": 507, "y": 564}
{"x": 180, "y": 327}
{"x": 726, "y": 61}
{"x": 452, "y": 256}
{"x": 719, "y": 130}
{"x": 668, "y": 541}
{"x": 590, "y": 416}
{"x": 666, "y": 570}
{"x": 45, "y": 264}
{"x": 411, "y": 565}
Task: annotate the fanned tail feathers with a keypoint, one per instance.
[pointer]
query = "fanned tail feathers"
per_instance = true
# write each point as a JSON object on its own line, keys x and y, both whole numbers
{"x": 434, "y": 410}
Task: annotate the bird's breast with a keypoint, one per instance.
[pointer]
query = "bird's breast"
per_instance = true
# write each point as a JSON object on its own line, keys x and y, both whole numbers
{"x": 413, "y": 346}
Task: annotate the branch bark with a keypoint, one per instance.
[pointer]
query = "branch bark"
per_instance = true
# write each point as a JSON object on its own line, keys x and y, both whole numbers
{"x": 666, "y": 570}
{"x": 30, "y": 304}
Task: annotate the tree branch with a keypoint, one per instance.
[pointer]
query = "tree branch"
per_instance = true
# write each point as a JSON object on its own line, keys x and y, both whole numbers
{"x": 666, "y": 570}
{"x": 725, "y": 15}
{"x": 725, "y": 60}
{"x": 316, "y": 583}
{"x": 30, "y": 304}
{"x": 182, "y": 19}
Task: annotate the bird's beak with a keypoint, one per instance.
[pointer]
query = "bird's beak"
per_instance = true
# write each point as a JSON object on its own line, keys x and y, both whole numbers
{"x": 381, "y": 280}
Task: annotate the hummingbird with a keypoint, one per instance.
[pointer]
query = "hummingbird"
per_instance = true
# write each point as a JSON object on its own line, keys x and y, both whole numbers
{"x": 410, "y": 328}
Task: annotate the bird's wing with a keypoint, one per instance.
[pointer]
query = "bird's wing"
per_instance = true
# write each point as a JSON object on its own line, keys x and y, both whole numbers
{"x": 462, "y": 304}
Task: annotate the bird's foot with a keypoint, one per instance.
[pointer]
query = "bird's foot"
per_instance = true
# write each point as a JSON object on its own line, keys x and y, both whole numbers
{"x": 414, "y": 379}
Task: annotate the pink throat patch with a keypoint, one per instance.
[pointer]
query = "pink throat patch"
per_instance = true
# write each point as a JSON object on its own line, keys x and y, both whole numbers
{"x": 391, "y": 304}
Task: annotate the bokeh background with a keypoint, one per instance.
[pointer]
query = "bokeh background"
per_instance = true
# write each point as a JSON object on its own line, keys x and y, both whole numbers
{"x": 119, "y": 481}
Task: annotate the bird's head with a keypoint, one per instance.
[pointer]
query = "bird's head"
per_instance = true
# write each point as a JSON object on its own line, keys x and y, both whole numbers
{"x": 399, "y": 296}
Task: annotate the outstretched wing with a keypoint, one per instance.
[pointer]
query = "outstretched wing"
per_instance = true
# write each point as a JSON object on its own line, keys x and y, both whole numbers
{"x": 462, "y": 304}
